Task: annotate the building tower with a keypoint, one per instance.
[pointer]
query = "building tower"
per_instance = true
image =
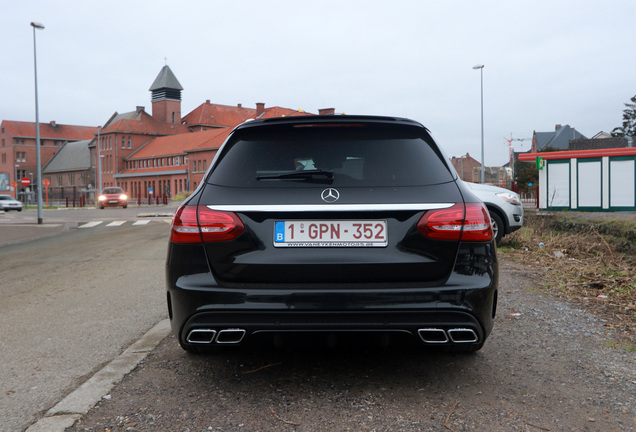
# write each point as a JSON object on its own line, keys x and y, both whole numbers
{"x": 166, "y": 97}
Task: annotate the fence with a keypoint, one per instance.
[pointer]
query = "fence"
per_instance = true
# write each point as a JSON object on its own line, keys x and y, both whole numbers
{"x": 529, "y": 199}
{"x": 82, "y": 201}
{"x": 73, "y": 197}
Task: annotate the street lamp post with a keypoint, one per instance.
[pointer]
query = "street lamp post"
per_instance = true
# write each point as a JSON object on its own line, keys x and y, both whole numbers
{"x": 481, "y": 72}
{"x": 99, "y": 163}
{"x": 37, "y": 123}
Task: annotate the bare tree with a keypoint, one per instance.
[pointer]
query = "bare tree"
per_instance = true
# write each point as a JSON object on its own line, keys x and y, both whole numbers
{"x": 629, "y": 121}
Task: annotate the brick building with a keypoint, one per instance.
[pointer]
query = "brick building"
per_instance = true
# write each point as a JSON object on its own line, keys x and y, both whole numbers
{"x": 18, "y": 157}
{"x": 149, "y": 155}
{"x": 464, "y": 165}
{"x": 596, "y": 143}
{"x": 162, "y": 154}
{"x": 70, "y": 172}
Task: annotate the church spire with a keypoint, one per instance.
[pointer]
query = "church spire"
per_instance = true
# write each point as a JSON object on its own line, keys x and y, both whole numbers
{"x": 166, "y": 97}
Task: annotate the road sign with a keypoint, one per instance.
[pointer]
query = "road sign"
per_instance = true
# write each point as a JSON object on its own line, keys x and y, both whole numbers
{"x": 46, "y": 182}
{"x": 25, "y": 181}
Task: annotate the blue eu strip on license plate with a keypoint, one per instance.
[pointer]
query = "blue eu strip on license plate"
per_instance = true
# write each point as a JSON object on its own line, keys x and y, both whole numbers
{"x": 279, "y": 232}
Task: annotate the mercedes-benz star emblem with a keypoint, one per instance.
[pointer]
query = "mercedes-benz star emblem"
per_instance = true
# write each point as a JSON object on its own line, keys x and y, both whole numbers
{"x": 330, "y": 195}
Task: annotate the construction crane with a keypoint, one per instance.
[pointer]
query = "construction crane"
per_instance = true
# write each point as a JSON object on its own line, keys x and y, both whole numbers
{"x": 511, "y": 153}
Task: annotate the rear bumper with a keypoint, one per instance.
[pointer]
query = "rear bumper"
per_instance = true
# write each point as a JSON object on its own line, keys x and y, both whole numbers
{"x": 449, "y": 312}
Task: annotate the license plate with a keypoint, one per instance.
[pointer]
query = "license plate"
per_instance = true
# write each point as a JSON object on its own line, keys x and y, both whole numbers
{"x": 338, "y": 233}
{"x": 113, "y": 202}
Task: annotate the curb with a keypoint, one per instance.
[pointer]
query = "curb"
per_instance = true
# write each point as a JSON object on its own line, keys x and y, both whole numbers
{"x": 156, "y": 214}
{"x": 81, "y": 400}
{"x": 25, "y": 232}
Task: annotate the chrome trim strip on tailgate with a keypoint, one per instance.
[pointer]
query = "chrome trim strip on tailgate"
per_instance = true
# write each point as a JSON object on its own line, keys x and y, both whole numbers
{"x": 329, "y": 207}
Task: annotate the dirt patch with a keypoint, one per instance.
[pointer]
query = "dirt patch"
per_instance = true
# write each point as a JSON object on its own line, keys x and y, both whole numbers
{"x": 583, "y": 257}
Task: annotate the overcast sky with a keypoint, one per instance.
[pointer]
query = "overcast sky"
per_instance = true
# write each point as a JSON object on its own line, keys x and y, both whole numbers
{"x": 546, "y": 62}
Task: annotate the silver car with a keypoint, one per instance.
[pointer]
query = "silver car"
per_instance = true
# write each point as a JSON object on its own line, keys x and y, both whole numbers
{"x": 504, "y": 206}
{"x": 7, "y": 202}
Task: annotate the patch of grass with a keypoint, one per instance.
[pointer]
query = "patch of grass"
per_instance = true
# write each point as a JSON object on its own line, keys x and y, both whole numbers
{"x": 620, "y": 346}
{"x": 621, "y": 224}
{"x": 533, "y": 289}
{"x": 27, "y": 207}
{"x": 581, "y": 260}
{"x": 181, "y": 196}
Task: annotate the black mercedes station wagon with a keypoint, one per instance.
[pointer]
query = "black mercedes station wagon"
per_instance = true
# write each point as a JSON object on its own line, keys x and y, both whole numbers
{"x": 339, "y": 227}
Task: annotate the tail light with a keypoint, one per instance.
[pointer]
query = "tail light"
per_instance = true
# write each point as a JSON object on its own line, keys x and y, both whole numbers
{"x": 465, "y": 222}
{"x": 199, "y": 224}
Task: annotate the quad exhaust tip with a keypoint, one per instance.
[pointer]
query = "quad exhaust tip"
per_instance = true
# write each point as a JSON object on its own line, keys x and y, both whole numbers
{"x": 454, "y": 335}
{"x": 462, "y": 335}
{"x": 201, "y": 336}
{"x": 433, "y": 335}
{"x": 208, "y": 336}
{"x": 230, "y": 336}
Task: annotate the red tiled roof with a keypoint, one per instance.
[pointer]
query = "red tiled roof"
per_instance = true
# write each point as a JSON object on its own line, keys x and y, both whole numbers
{"x": 151, "y": 170}
{"x": 282, "y": 112}
{"x": 179, "y": 144}
{"x": 147, "y": 124}
{"x": 216, "y": 115}
{"x": 210, "y": 139}
{"x": 49, "y": 130}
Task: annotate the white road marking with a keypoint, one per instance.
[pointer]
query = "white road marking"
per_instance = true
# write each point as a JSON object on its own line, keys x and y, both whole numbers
{"x": 116, "y": 223}
{"x": 91, "y": 224}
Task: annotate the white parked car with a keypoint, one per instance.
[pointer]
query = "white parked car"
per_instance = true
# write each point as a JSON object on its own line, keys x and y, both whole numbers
{"x": 504, "y": 206}
{"x": 7, "y": 202}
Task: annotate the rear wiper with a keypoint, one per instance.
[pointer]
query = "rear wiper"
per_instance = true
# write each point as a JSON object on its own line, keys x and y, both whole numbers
{"x": 307, "y": 174}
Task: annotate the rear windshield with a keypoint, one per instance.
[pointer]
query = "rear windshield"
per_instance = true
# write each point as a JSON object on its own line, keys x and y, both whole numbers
{"x": 358, "y": 155}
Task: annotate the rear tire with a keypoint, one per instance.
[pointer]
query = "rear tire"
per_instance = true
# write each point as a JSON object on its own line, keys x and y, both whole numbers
{"x": 497, "y": 226}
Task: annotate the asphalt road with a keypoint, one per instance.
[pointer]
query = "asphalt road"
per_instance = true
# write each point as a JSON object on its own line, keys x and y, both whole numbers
{"x": 73, "y": 302}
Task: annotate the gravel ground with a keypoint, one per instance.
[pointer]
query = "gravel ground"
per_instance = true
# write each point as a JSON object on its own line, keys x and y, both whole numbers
{"x": 547, "y": 366}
